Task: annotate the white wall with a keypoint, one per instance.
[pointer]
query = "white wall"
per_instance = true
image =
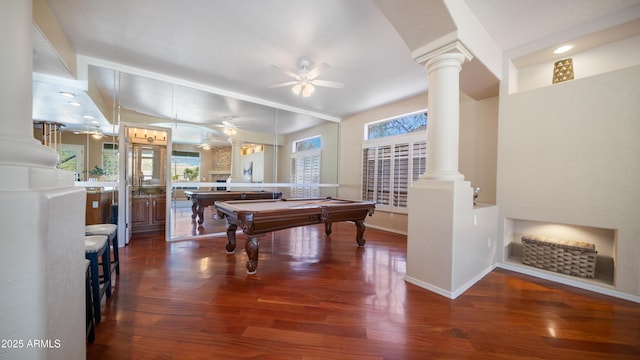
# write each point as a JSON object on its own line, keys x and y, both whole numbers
{"x": 475, "y": 248}
{"x": 479, "y": 145}
{"x": 570, "y": 154}
{"x": 256, "y": 161}
{"x": 329, "y": 157}
{"x": 587, "y": 63}
{"x": 42, "y": 269}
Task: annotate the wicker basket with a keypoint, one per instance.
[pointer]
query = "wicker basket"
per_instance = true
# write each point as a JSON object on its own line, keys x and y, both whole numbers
{"x": 563, "y": 256}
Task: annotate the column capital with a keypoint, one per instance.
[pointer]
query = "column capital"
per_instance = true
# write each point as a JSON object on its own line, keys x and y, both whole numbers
{"x": 454, "y": 47}
{"x": 454, "y": 60}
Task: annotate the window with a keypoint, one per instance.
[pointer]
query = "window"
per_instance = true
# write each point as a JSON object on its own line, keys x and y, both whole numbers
{"x": 72, "y": 159}
{"x": 305, "y": 167}
{"x": 110, "y": 159}
{"x": 146, "y": 163}
{"x": 403, "y": 125}
{"x": 393, "y": 159}
{"x": 185, "y": 165}
{"x": 312, "y": 143}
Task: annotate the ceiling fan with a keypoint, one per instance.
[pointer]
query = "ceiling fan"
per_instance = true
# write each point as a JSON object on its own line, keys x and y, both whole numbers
{"x": 305, "y": 79}
{"x": 228, "y": 127}
{"x": 96, "y": 133}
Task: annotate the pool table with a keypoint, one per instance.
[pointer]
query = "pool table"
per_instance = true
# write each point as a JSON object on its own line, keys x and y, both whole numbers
{"x": 257, "y": 217}
{"x": 200, "y": 199}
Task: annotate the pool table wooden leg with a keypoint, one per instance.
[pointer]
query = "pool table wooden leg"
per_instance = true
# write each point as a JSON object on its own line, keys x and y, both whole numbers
{"x": 200, "y": 214}
{"x": 231, "y": 237}
{"x": 252, "y": 253}
{"x": 360, "y": 232}
{"x": 194, "y": 211}
{"x": 327, "y": 227}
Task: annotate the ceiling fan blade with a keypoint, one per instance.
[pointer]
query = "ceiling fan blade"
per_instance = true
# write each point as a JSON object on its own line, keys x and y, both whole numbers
{"x": 287, "y": 72}
{"x": 288, "y": 83}
{"x": 327, "y": 83}
{"x": 315, "y": 72}
{"x": 228, "y": 124}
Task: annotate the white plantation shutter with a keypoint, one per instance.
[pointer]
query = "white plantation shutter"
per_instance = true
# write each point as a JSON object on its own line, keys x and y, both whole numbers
{"x": 305, "y": 170}
{"x": 400, "y": 175}
{"x": 388, "y": 170}
{"x": 368, "y": 174}
{"x": 419, "y": 159}
{"x": 383, "y": 173}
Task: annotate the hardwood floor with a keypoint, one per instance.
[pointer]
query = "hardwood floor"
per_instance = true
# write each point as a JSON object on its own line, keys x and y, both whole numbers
{"x": 184, "y": 226}
{"x": 320, "y": 297}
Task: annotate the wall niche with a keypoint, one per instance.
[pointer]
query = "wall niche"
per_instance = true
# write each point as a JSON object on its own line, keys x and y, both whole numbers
{"x": 603, "y": 239}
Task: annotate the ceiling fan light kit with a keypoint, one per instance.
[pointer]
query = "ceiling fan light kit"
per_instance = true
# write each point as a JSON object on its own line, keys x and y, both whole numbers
{"x": 96, "y": 133}
{"x": 304, "y": 89}
{"x": 305, "y": 79}
{"x": 229, "y": 128}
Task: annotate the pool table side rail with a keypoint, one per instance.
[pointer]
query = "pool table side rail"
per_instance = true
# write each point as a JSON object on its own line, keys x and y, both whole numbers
{"x": 210, "y": 197}
{"x": 269, "y": 220}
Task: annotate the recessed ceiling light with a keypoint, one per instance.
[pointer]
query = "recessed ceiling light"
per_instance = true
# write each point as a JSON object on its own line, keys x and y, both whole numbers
{"x": 74, "y": 103}
{"x": 67, "y": 94}
{"x": 563, "y": 49}
{"x": 88, "y": 117}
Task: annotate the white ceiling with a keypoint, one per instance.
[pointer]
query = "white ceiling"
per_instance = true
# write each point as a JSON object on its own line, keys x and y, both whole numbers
{"x": 218, "y": 53}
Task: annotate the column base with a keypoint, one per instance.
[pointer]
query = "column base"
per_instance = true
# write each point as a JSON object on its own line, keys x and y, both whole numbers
{"x": 444, "y": 175}
{"x": 440, "y": 212}
{"x": 42, "y": 271}
{"x": 26, "y": 151}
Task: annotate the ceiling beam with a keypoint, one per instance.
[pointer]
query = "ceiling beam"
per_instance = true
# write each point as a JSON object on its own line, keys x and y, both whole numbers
{"x": 46, "y": 23}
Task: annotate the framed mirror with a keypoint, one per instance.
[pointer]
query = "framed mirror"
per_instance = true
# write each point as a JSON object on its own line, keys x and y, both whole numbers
{"x": 217, "y": 143}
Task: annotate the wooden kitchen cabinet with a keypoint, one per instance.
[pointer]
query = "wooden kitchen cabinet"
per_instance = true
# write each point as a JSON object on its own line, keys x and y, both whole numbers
{"x": 148, "y": 213}
{"x": 98, "y": 206}
{"x": 158, "y": 211}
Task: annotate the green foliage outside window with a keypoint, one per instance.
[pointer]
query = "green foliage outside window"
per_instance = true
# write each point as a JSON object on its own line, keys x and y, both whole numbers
{"x": 313, "y": 143}
{"x": 185, "y": 165}
{"x": 397, "y": 126}
{"x": 191, "y": 173}
{"x": 68, "y": 160}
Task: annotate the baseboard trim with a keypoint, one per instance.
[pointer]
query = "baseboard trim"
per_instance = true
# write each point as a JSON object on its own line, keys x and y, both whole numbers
{"x": 449, "y": 294}
{"x": 427, "y": 286}
{"x": 385, "y": 229}
{"x": 562, "y": 280}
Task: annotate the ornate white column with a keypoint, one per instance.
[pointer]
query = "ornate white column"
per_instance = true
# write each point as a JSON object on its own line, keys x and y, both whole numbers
{"x": 42, "y": 262}
{"x": 236, "y": 161}
{"x": 441, "y": 202}
{"x": 444, "y": 111}
{"x": 17, "y": 145}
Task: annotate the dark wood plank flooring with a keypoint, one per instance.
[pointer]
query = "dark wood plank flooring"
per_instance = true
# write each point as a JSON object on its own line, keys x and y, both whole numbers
{"x": 322, "y": 297}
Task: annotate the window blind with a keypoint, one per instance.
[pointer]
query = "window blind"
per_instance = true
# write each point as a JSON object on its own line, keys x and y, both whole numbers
{"x": 389, "y": 169}
{"x": 305, "y": 170}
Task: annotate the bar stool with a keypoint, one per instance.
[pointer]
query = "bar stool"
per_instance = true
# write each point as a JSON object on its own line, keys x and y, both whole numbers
{"x": 96, "y": 247}
{"x": 111, "y": 230}
{"x": 90, "y": 322}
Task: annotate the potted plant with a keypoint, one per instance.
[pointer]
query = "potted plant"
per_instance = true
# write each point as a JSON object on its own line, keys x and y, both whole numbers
{"x": 99, "y": 172}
